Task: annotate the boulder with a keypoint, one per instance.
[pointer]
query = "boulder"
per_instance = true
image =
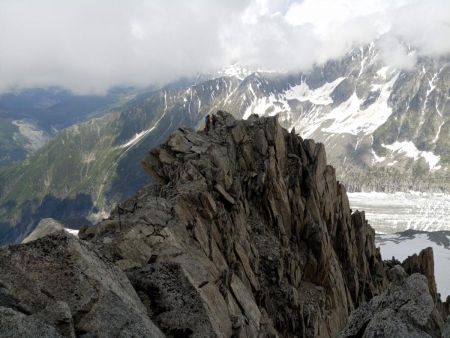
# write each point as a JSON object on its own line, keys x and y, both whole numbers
{"x": 15, "y": 324}
{"x": 46, "y": 226}
{"x": 424, "y": 264}
{"x": 62, "y": 282}
{"x": 406, "y": 309}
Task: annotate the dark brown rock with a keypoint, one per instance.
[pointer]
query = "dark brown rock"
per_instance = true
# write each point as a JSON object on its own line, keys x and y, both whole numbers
{"x": 259, "y": 231}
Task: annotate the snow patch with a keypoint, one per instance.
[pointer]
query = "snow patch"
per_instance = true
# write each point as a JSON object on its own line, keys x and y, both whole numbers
{"x": 269, "y": 105}
{"x": 408, "y": 149}
{"x": 139, "y": 136}
{"x": 377, "y": 159}
{"x": 350, "y": 118}
{"x": 318, "y": 96}
{"x": 383, "y": 72}
{"x": 95, "y": 217}
{"x": 72, "y": 231}
{"x": 438, "y": 132}
{"x": 236, "y": 71}
{"x": 135, "y": 139}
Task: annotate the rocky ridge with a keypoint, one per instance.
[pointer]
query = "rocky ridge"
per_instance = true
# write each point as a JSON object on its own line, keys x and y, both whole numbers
{"x": 245, "y": 233}
{"x": 297, "y": 245}
{"x": 45, "y": 227}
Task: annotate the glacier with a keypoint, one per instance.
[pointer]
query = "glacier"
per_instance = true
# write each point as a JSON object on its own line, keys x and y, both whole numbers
{"x": 394, "y": 212}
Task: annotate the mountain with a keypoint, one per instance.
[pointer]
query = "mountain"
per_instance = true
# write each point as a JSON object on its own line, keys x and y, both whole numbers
{"x": 245, "y": 232}
{"x": 88, "y": 167}
{"x": 386, "y": 130}
{"x": 30, "y": 118}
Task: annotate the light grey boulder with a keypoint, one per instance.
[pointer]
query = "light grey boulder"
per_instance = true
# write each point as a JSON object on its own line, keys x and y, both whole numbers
{"x": 14, "y": 324}
{"x": 46, "y": 226}
{"x": 98, "y": 299}
{"x": 406, "y": 310}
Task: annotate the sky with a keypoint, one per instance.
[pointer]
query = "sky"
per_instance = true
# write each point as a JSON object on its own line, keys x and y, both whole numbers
{"x": 89, "y": 46}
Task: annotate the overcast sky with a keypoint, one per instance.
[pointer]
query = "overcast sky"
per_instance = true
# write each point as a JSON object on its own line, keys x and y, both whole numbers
{"x": 88, "y": 46}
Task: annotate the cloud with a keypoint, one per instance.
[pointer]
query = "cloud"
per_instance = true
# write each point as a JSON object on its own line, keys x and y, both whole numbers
{"x": 88, "y": 46}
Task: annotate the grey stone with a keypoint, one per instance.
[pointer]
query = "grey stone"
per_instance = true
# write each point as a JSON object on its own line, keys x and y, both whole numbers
{"x": 14, "y": 324}
{"x": 45, "y": 227}
{"x": 397, "y": 274}
{"x": 406, "y": 309}
{"x": 238, "y": 240}
{"x": 98, "y": 298}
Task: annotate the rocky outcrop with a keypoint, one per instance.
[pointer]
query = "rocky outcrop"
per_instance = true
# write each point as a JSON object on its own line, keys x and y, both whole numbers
{"x": 246, "y": 233}
{"x": 406, "y": 309}
{"x": 16, "y": 324}
{"x": 423, "y": 264}
{"x": 59, "y": 286}
{"x": 45, "y": 227}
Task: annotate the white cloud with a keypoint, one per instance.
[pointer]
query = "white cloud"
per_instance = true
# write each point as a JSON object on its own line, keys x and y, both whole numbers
{"x": 89, "y": 46}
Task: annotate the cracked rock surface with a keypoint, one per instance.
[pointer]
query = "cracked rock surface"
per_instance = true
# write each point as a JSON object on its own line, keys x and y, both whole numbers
{"x": 406, "y": 309}
{"x": 62, "y": 282}
{"x": 250, "y": 222}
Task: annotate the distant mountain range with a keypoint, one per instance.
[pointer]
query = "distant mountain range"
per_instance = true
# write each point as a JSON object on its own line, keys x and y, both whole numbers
{"x": 384, "y": 129}
{"x": 30, "y": 118}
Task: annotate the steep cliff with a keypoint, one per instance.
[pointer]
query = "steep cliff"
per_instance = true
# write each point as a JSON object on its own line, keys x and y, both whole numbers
{"x": 251, "y": 222}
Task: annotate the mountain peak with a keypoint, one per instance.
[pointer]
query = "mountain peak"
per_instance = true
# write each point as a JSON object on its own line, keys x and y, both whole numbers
{"x": 249, "y": 218}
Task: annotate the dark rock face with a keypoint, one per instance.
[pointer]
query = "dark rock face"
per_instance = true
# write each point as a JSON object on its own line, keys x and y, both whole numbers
{"x": 406, "y": 309}
{"x": 250, "y": 222}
